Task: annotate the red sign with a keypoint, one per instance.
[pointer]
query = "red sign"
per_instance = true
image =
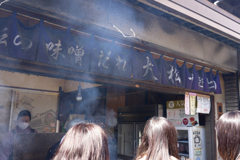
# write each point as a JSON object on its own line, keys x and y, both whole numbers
{"x": 185, "y": 121}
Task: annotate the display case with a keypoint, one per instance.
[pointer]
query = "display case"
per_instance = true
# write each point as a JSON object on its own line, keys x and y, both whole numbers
{"x": 129, "y": 139}
{"x": 191, "y": 142}
{"x": 184, "y": 142}
{"x": 131, "y": 122}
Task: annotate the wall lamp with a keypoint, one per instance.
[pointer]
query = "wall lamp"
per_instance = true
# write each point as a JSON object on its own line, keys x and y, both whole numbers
{"x": 79, "y": 95}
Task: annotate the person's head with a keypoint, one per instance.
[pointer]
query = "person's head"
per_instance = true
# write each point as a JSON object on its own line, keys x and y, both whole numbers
{"x": 23, "y": 119}
{"x": 228, "y": 135}
{"x": 84, "y": 141}
{"x": 73, "y": 122}
{"x": 159, "y": 140}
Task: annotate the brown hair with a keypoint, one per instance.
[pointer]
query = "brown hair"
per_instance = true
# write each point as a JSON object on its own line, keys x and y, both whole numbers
{"x": 228, "y": 135}
{"x": 84, "y": 142}
{"x": 159, "y": 140}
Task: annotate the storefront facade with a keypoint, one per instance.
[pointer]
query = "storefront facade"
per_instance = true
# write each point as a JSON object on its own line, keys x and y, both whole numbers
{"x": 57, "y": 79}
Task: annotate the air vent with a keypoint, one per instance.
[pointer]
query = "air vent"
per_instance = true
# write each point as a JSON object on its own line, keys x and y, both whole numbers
{"x": 231, "y": 92}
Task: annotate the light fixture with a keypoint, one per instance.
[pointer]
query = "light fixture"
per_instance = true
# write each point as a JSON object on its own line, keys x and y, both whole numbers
{"x": 79, "y": 95}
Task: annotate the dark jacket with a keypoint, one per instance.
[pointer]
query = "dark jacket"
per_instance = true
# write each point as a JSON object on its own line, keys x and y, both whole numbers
{"x": 52, "y": 151}
{"x": 6, "y": 146}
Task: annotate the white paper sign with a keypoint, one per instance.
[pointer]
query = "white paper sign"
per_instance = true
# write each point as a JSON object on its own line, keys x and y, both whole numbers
{"x": 187, "y": 104}
{"x": 199, "y": 104}
{"x": 197, "y": 142}
{"x": 192, "y": 103}
{"x": 206, "y": 106}
{"x": 173, "y": 114}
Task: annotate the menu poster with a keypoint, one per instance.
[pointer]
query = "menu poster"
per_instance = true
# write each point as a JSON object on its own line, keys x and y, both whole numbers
{"x": 192, "y": 103}
{"x": 197, "y": 145}
{"x": 206, "y": 105}
{"x": 176, "y": 114}
{"x": 199, "y": 104}
{"x": 187, "y": 103}
{"x": 197, "y": 142}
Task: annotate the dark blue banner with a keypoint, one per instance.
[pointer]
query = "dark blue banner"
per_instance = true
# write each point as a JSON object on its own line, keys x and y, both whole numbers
{"x": 181, "y": 72}
{"x": 51, "y": 45}
{"x": 5, "y": 34}
{"x": 172, "y": 74}
{"x": 77, "y": 52}
{"x": 47, "y": 45}
{"x": 212, "y": 86}
{"x": 25, "y": 41}
{"x": 202, "y": 81}
{"x": 192, "y": 78}
{"x": 121, "y": 61}
{"x": 110, "y": 59}
{"x": 196, "y": 80}
{"x": 102, "y": 57}
{"x": 188, "y": 77}
{"x": 144, "y": 66}
{"x": 216, "y": 79}
{"x": 18, "y": 40}
{"x": 159, "y": 62}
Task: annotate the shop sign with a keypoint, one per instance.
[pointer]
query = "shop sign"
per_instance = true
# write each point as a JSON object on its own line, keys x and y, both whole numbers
{"x": 187, "y": 103}
{"x": 192, "y": 103}
{"x": 176, "y": 114}
{"x": 63, "y": 48}
{"x": 203, "y": 104}
{"x": 206, "y": 105}
{"x": 198, "y": 152}
{"x": 199, "y": 104}
{"x": 197, "y": 145}
{"x": 197, "y": 142}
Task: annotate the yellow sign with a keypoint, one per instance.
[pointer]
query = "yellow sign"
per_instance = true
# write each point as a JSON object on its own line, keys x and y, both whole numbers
{"x": 178, "y": 104}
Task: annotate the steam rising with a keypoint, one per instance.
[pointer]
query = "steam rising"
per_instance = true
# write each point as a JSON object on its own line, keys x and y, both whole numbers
{"x": 111, "y": 118}
{"x": 93, "y": 106}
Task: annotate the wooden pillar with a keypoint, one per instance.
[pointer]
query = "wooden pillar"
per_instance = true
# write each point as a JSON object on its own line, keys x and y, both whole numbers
{"x": 211, "y": 148}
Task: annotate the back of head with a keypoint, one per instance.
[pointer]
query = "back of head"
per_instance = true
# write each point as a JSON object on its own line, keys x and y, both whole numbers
{"x": 73, "y": 122}
{"x": 228, "y": 135}
{"x": 84, "y": 141}
{"x": 159, "y": 140}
